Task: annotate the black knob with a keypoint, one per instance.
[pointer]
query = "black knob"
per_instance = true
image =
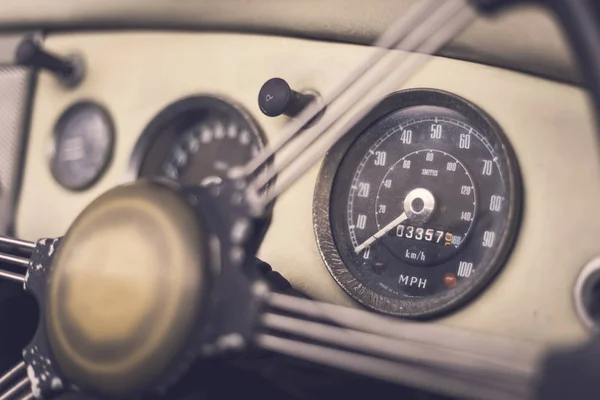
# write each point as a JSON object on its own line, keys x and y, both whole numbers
{"x": 276, "y": 98}
{"x": 68, "y": 70}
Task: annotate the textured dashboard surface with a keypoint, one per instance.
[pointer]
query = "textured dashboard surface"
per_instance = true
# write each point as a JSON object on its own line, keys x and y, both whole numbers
{"x": 523, "y": 39}
{"x": 136, "y": 74}
{"x": 14, "y": 85}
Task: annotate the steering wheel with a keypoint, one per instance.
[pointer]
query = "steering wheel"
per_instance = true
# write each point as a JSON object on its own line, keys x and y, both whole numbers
{"x": 172, "y": 267}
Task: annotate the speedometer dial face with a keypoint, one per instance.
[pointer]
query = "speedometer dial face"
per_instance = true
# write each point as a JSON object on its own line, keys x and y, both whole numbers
{"x": 429, "y": 237}
{"x": 422, "y": 205}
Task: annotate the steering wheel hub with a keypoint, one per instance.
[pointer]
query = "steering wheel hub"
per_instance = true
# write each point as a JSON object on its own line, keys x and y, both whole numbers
{"x": 126, "y": 289}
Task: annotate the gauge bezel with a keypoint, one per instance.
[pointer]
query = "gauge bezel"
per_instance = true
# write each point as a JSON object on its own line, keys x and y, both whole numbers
{"x": 177, "y": 116}
{"x": 59, "y": 127}
{"x": 328, "y": 248}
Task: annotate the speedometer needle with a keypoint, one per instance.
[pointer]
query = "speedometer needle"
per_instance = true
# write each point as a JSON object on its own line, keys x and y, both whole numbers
{"x": 381, "y": 232}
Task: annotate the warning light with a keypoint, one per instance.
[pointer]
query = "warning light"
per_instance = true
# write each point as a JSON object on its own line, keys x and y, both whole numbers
{"x": 449, "y": 280}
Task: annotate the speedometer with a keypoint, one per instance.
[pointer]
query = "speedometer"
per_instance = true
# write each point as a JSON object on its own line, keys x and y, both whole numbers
{"x": 417, "y": 209}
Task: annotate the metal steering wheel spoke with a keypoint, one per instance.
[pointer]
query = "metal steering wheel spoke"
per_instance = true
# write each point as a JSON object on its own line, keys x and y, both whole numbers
{"x": 33, "y": 261}
{"x": 440, "y": 359}
{"x": 14, "y": 258}
{"x": 14, "y": 384}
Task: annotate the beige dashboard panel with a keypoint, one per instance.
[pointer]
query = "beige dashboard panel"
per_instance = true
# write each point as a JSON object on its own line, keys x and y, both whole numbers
{"x": 136, "y": 74}
{"x": 522, "y": 38}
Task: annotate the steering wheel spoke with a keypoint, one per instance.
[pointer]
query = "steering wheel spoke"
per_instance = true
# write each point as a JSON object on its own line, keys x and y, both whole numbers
{"x": 14, "y": 258}
{"x": 15, "y": 384}
{"x": 12, "y": 276}
{"x": 441, "y": 359}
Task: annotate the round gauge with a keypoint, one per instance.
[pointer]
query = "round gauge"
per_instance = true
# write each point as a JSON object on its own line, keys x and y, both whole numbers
{"x": 196, "y": 140}
{"x": 422, "y": 203}
{"x": 82, "y": 145}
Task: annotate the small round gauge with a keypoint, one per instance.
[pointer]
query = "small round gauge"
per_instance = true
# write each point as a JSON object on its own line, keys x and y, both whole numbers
{"x": 82, "y": 145}
{"x": 423, "y": 200}
{"x": 196, "y": 140}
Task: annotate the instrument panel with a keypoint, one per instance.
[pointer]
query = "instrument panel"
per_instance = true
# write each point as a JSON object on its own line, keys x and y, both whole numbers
{"x": 530, "y": 295}
{"x": 424, "y": 200}
{"x": 196, "y": 140}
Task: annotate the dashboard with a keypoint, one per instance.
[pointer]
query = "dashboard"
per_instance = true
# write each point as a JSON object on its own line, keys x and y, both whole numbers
{"x": 298, "y": 197}
{"x": 538, "y": 132}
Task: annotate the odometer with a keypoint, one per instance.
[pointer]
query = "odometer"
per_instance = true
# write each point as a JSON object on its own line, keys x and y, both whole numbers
{"x": 422, "y": 204}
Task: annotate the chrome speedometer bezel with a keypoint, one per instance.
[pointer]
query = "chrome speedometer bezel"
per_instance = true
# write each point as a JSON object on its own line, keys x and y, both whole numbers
{"x": 322, "y": 222}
